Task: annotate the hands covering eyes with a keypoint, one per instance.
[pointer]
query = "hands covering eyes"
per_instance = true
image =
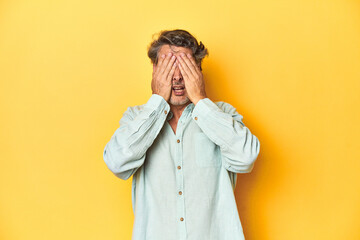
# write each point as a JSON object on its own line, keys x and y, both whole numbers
{"x": 162, "y": 76}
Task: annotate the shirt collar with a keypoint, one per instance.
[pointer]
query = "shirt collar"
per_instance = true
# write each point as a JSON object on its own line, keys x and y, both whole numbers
{"x": 188, "y": 109}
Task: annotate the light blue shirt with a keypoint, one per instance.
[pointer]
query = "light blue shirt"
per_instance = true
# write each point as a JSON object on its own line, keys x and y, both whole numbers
{"x": 183, "y": 184}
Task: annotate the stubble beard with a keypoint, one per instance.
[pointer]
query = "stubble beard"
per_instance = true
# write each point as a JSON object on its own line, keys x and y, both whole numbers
{"x": 178, "y": 102}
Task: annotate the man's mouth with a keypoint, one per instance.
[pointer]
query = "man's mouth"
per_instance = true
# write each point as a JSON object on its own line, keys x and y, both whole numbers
{"x": 178, "y": 90}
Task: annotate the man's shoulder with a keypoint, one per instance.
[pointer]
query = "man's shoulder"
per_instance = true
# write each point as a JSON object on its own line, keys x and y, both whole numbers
{"x": 153, "y": 103}
{"x": 230, "y": 109}
{"x": 225, "y": 107}
{"x": 135, "y": 109}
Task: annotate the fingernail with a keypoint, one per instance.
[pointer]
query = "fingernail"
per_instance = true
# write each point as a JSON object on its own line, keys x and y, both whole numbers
{"x": 189, "y": 55}
{"x": 169, "y": 54}
{"x": 172, "y": 57}
{"x": 163, "y": 55}
{"x": 182, "y": 54}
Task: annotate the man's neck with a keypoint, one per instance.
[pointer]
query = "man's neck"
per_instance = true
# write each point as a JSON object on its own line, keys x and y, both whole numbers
{"x": 177, "y": 110}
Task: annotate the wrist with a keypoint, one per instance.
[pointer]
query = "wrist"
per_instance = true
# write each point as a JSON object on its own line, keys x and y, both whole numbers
{"x": 163, "y": 95}
{"x": 196, "y": 100}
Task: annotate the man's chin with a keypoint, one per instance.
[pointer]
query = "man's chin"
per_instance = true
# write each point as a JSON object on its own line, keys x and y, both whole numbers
{"x": 178, "y": 102}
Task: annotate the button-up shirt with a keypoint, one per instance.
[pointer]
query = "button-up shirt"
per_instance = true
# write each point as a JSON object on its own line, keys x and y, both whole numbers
{"x": 183, "y": 184}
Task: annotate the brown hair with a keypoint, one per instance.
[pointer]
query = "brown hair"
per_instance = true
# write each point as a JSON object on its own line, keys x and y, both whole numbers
{"x": 179, "y": 38}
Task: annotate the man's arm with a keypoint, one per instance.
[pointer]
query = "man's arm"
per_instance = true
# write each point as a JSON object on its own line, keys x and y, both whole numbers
{"x": 126, "y": 150}
{"x": 239, "y": 148}
{"x": 224, "y": 126}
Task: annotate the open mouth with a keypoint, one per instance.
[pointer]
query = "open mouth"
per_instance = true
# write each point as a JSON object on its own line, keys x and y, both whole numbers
{"x": 178, "y": 90}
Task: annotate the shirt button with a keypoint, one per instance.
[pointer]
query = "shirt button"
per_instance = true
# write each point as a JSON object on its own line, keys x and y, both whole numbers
{"x": 179, "y": 167}
{"x": 180, "y": 193}
{"x": 181, "y": 219}
{"x": 165, "y": 112}
{"x": 178, "y": 141}
{"x": 195, "y": 118}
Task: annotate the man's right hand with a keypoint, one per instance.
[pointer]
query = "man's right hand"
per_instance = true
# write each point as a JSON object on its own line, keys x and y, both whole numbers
{"x": 162, "y": 74}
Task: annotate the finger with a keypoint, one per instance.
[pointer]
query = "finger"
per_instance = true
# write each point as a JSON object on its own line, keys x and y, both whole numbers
{"x": 160, "y": 61}
{"x": 170, "y": 65}
{"x": 192, "y": 60}
{"x": 185, "y": 68}
{"x": 172, "y": 70}
{"x": 183, "y": 73}
{"x": 165, "y": 63}
{"x": 189, "y": 64}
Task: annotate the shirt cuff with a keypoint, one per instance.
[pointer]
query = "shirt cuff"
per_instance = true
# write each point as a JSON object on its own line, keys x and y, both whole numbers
{"x": 157, "y": 102}
{"x": 203, "y": 107}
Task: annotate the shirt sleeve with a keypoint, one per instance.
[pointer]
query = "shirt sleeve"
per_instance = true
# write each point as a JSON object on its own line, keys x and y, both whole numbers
{"x": 126, "y": 150}
{"x": 224, "y": 126}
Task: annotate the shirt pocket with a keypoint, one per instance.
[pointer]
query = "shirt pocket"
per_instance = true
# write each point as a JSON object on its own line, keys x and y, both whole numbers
{"x": 206, "y": 152}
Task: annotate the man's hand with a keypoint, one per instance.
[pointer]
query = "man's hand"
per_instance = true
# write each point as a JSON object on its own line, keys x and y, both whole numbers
{"x": 162, "y": 74}
{"x": 193, "y": 77}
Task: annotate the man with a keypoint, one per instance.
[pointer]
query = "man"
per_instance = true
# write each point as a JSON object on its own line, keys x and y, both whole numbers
{"x": 182, "y": 149}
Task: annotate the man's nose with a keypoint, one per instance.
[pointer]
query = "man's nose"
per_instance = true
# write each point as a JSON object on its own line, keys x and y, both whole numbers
{"x": 177, "y": 75}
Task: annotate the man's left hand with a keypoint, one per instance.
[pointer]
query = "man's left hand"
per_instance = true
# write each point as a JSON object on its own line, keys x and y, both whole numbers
{"x": 193, "y": 77}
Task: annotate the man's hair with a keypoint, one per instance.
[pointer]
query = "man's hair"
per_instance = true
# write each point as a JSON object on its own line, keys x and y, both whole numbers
{"x": 179, "y": 38}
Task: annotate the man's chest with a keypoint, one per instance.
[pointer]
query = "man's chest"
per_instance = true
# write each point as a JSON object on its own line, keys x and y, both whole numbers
{"x": 186, "y": 153}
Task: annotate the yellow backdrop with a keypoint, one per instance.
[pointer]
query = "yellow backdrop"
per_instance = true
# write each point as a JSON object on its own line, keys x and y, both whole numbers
{"x": 69, "y": 69}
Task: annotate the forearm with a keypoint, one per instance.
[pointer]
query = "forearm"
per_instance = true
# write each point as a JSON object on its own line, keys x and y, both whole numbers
{"x": 126, "y": 150}
{"x": 239, "y": 147}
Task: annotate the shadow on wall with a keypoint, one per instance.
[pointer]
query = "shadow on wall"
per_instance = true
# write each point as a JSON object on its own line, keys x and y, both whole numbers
{"x": 264, "y": 180}
{"x": 214, "y": 80}
{"x": 246, "y": 187}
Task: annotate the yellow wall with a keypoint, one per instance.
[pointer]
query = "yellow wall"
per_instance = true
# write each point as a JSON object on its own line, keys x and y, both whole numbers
{"x": 69, "y": 69}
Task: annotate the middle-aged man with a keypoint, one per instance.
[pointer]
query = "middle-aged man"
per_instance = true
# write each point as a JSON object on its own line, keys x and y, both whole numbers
{"x": 182, "y": 149}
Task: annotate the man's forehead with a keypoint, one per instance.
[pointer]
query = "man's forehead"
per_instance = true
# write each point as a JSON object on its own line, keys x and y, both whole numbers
{"x": 174, "y": 49}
